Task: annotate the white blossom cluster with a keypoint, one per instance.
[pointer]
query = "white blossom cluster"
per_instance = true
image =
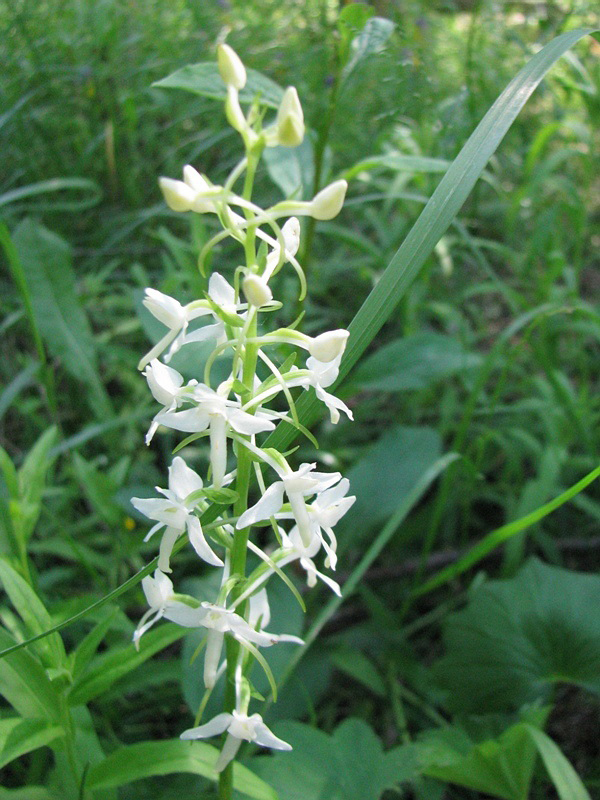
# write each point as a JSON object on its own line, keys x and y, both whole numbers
{"x": 300, "y": 506}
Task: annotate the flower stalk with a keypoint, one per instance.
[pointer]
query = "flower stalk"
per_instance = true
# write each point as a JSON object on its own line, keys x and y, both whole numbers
{"x": 254, "y": 487}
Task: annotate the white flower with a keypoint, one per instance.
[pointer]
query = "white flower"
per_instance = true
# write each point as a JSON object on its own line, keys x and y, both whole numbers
{"x": 290, "y": 233}
{"x": 194, "y": 193}
{"x": 219, "y": 621}
{"x": 214, "y": 412}
{"x": 222, "y": 295}
{"x": 175, "y": 514}
{"x": 324, "y": 513}
{"x": 319, "y": 375}
{"x": 166, "y": 385}
{"x": 294, "y": 550}
{"x": 329, "y": 345}
{"x": 296, "y": 485}
{"x": 239, "y": 727}
{"x": 163, "y": 603}
{"x": 175, "y": 316}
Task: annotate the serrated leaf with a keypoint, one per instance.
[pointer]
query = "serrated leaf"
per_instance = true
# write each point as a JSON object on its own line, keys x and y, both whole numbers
{"x": 204, "y": 79}
{"x": 20, "y": 736}
{"x": 34, "y": 614}
{"x": 46, "y": 261}
{"x": 147, "y": 759}
{"x": 517, "y": 638}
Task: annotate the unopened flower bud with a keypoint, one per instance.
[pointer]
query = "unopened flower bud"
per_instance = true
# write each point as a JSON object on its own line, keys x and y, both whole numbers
{"x": 178, "y": 195}
{"x": 328, "y": 203}
{"x": 290, "y": 119}
{"x": 329, "y": 345}
{"x": 291, "y": 235}
{"x": 200, "y": 186}
{"x": 257, "y": 291}
{"x": 231, "y": 68}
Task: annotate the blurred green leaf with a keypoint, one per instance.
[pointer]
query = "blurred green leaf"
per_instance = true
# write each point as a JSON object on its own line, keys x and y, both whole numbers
{"x": 415, "y": 362}
{"x": 166, "y": 757}
{"x": 355, "y": 664}
{"x": 500, "y": 767}
{"x": 517, "y": 638}
{"x": 32, "y": 482}
{"x": 24, "y": 684}
{"x": 567, "y": 783}
{"x": 107, "y": 668}
{"x": 46, "y": 262}
{"x": 388, "y": 471}
{"x": 20, "y": 736}
{"x": 350, "y": 765}
{"x": 204, "y": 79}
{"x": 370, "y": 40}
{"x": 34, "y": 614}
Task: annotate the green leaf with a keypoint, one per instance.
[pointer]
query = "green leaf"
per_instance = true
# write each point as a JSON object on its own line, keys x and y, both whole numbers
{"x": 87, "y": 647}
{"x": 388, "y": 472}
{"x": 146, "y": 759}
{"x": 357, "y": 666}
{"x": 90, "y": 192}
{"x": 435, "y": 219}
{"x": 34, "y": 614}
{"x": 32, "y": 482}
{"x": 46, "y": 262}
{"x": 20, "y": 736}
{"x": 415, "y": 362}
{"x": 517, "y": 638}
{"x": 27, "y": 793}
{"x": 369, "y": 41}
{"x": 204, "y": 79}
{"x": 501, "y": 767}
{"x": 495, "y": 538}
{"x": 109, "y": 667}
{"x": 224, "y": 497}
{"x": 24, "y": 684}
{"x": 567, "y": 783}
{"x": 350, "y": 765}
{"x": 398, "y": 162}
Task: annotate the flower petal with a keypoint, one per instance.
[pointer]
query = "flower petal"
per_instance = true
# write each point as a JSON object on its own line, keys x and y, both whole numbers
{"x": 248, "y": 424}
{"x": 270, "y": 503}
{"x": 220, "y": 291}
{"x": 216, "y": 726}
{"x": 192, "y": 420}
{"x": 267, "y": 738}
{"x": 182, "y": 479}
{"x": 199, "y": 543}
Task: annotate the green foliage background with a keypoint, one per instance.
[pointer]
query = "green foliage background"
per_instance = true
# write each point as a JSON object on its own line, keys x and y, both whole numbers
{"x": 492, "y": 354}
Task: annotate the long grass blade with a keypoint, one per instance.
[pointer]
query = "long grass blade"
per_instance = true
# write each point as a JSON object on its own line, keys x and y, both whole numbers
{"x": 436, "y": 217}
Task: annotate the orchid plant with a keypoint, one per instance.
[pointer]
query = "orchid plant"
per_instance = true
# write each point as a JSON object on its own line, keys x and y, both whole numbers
{"x": 232, "y": 416}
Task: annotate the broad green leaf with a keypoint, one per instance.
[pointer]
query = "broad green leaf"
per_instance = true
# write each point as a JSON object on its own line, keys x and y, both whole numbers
{"x": 292, "y": 170}
{"x": 204, "y": 79}
{"x": 24, "y": 684}
{"x": 99, "y": 488}
{"x": 517, "y": 638}
{"x": 567, "y": 783}
{"x": 87, "y": 647}
{"x": 350, "y": 765}
{"x": 436, "y": 217}
{"x": 415, "y": 362}
{"x": 34, "y": 614}
{"x": 146, "y": 759}
{"x": 46, "y": 261}
{"x": 501, "y": 767}
{"x": 354, "y": 663}
{"x": 32, "y": 482}
{"x": 388, "y": 472}
{"x": 351, "y": 20}
{"x": 109, "y": 667}
{"x": 20, "y": 736}
{"x": 369, "y": 41}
